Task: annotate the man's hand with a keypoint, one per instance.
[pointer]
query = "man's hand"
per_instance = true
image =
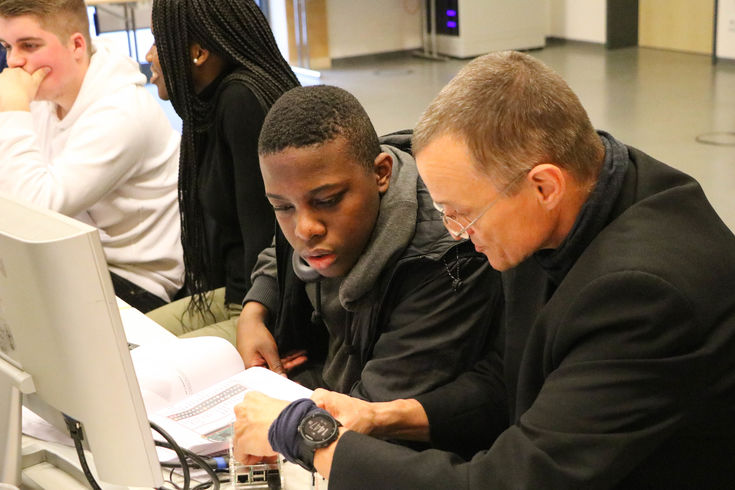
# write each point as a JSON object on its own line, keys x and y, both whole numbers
{"x": 353, "y": 413}
{"x": 18, "y": 88}
{"x": 254, "y": 416}
{"x": 397, "y": 419}
{"x": 255, "y": 343}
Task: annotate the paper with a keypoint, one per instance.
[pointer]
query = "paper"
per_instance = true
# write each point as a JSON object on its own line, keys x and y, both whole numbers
{"x": 172, "y": 370}
{"x": 203, "y": 422}
{"x": 189, "y": 386}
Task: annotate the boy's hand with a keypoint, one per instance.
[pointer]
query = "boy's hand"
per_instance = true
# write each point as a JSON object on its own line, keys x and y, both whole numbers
{"x": 19, "y": 88}
{"x": 255, "y": 343}
{"x": 293, "y": 359}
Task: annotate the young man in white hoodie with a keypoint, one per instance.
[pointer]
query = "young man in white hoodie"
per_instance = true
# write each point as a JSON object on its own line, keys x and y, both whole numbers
{"x": 80, "y": 134}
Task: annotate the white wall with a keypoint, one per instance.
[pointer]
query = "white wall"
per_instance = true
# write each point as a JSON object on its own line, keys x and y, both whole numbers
{"x": 578, "y": 20}
{"x": 111, "y": 16}
{"x": 375, "y": 26}
{"x": 726, "y": 29}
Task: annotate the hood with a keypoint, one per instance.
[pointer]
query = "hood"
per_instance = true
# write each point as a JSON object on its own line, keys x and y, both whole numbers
{"x": 108, "y": 72}
{"x": 392, "y": 233}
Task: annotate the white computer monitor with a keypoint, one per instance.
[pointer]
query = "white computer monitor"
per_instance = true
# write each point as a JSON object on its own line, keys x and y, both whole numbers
{"x": 60, "y": 324}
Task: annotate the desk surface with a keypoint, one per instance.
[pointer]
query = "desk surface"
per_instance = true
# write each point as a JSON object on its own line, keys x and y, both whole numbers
{"x": 48, "y": 475}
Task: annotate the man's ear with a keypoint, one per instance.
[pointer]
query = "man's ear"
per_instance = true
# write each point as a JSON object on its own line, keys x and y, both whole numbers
{"x": 549, "y": 184}
{"x": 198, "y": 54}
{"x": 383, "y": 169}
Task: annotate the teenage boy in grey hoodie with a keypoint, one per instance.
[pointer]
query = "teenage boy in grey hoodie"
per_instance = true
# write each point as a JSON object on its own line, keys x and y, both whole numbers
{"x": 365, "y": 291}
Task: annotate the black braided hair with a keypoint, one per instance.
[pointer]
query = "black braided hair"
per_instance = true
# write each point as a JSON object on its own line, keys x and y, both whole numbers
{"x": 238, "y": 32}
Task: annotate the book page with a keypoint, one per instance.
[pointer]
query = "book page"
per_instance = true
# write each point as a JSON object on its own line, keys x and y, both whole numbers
{"x": 139, "y": 329}
{"x": 170, "y": 371}
{"x": 203, "y": 421}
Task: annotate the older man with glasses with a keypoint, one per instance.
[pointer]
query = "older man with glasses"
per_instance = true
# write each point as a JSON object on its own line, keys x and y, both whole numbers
{"x": 460, "y": 231}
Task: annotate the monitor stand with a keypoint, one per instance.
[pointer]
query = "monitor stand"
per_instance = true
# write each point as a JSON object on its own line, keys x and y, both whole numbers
{"x": 14, "y": 458}
{"x": 14, "y": 383}
{"x": 44, "y": 468}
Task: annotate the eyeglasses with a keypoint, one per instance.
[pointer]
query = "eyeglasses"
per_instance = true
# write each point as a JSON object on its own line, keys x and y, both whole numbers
{"x": 456, "y": 229}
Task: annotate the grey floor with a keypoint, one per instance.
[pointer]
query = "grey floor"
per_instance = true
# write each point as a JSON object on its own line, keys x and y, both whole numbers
{"x": 659, "y": 101}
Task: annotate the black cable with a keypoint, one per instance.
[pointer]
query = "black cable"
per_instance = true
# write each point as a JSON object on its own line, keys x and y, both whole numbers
{"x": 177, "y": 449}
{"x": 77, "y": 434}
{"x": 206, "y": 467}
{"x": 171, "y": 480}
{"x": 198, "y": 461}
{"x": 184, "y": 454}
{"x": 211, "y": 462}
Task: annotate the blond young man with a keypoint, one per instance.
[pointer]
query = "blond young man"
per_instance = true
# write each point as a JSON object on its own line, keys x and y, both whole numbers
{"x": 79, "y": 134}
{"x": 620, "y": 322}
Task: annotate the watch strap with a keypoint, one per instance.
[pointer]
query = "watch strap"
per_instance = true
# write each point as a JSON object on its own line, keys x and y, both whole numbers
{"x": 283, "y": 434}
{"x": 285, "y": 438}
{"x": 306, "y": 448}
{"x": 306, "y": 456}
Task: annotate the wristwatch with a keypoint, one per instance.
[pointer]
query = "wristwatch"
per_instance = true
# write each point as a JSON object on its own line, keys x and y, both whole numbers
{"x": 316, "y": 430}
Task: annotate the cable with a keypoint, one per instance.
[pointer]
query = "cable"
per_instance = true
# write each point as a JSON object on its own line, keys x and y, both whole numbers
{"x": 185, "y": 454}
{"x": 177, "y": 449}
{"x": 171, "y": 480}
{"x": 217, "y": 463}
{"x": 199, "y": 461}
{"x": 77, "y": 434}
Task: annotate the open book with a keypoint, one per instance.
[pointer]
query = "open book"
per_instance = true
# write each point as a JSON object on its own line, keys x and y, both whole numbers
{"x": 191, "y": 386}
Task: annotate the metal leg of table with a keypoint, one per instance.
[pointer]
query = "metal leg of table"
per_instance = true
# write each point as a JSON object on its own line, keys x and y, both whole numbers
{"x": 428, "y": 36}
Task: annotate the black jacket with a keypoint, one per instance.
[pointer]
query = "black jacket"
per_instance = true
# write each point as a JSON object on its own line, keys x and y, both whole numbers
{"x": 623, "y": 376}
{"x": 416, "y": 333}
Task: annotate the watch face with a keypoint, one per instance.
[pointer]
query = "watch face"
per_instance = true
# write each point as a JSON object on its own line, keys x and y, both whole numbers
{"x": 318, "y": 428}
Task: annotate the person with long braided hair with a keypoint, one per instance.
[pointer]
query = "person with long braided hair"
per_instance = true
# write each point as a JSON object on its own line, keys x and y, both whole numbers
{"x": 218, "y": 64}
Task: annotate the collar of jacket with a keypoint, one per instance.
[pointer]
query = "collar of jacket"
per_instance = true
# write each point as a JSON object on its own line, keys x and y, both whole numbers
{"x": 595, "y": 213}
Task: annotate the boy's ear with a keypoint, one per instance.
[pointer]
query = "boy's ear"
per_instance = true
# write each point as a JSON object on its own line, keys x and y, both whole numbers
{"x": 383, "y": 169}
{"x": 78, "y": 45}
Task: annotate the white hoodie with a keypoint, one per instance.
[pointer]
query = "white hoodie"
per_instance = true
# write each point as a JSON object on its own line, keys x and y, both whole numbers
{"x": 111, "y": 162}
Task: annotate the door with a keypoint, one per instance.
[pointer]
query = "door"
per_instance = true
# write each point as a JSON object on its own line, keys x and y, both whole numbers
{"x": 680, "y": 25}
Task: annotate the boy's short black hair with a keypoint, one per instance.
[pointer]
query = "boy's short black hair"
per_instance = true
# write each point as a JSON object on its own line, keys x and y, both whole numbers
{"x": 308, "y": 116}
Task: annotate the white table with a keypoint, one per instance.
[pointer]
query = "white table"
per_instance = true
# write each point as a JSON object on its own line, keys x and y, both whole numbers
{"x": 55, "y": 471}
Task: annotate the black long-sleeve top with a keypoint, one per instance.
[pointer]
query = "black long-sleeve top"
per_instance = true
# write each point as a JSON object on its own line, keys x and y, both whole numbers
{"x": 239, "y": 220}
